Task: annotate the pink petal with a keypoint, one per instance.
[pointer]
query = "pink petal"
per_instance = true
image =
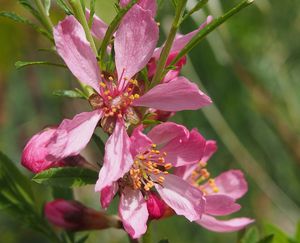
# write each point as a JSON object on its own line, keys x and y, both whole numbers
{"x": 185, "y": 171}
{"x": 183, "y": 198}
{"x": 34, "y": 156}
{"x": 145, "y": 4}
{"x": 107, "y": 194}
{"x": 73, "y": 135}
{"x": 172, "y": 96}
{"x": 135, "y": 42}
{"x": 181, "y": 40}
{"x": 117, "y": 158}
{"x": 216, "y": 225}
{"x": 182, "y": 151}
{"x": 73, "y": 47}
{"x": 231, "y": 183}
{"x": 220, "y": 205}
{"x": 166, "y": 132}
{"x": 98, "y": 27}
{"x": 133, "y": 212}
{"x": 139, "y": 141}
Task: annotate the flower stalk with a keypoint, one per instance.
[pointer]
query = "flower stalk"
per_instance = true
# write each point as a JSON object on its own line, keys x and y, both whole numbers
{"x": 46, "y": 21}
{"x": 80, "y": 15}
{"x": 169, "y": 42}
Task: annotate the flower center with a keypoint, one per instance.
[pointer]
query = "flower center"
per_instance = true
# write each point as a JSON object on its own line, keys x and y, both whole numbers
{"x": 148, "y": 168}
{"x": 200, "y": 176}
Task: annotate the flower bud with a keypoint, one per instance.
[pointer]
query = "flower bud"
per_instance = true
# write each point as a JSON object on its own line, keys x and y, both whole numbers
{"x": 72, "y": 215}
{"x": 35, "y": 156}
{"x": 156, "y": 206}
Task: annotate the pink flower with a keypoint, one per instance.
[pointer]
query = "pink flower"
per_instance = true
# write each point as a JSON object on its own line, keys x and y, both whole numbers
{"x": 72, "y": 215}
{"x": 220, "y": 193}
{"x": 119, "y": 93}
{"x": 149, "y": 5}
{"x": 140, "y": 164}
{"x": 35, "y": 155}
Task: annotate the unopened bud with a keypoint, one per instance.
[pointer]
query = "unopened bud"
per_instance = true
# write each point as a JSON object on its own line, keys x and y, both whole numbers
{"x": 72, "y": 215}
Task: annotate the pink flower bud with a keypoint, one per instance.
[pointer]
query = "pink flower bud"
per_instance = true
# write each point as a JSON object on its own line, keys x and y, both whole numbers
{"x": 35, "y": 155}
{"x": 156, "y": 206}
{"x": 72, "y": 215}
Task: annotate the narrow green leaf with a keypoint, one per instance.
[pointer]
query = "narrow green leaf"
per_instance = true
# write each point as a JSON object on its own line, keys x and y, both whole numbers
{"x": 100, "y": 144}
{"x": 20, "y": 64}
{"x": 83, "y": 239}
{"x": 66, "y": 177}
{"x": 64, "y": 6}
{"x": 251, "y": 236}
{"x": 297, "y": 237}
{"x": 278, "y": 235}
{"x": 267, "y": 239}
{"x": 209, "y": 28}
{"x": 18, "y": 183}
{"x": 28, "y": 6}
{"x": 47, "y": 6}
{"x": 69, "y": 93}
{"x": 196, "y": 8}
{"x": 19, "y": 19}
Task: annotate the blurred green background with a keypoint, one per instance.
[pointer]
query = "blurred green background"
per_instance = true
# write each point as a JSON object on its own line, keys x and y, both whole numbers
{"x": 250, "y": 67}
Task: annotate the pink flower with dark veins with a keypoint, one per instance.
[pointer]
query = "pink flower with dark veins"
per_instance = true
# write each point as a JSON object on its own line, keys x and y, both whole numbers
{"x": 117, "y": 94}
{"x": 220, "y": 193}
{"x": 139, "y": 165}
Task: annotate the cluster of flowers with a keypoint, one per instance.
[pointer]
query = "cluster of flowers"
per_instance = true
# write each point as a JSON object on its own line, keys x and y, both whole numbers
{"x": 157, "y": 174}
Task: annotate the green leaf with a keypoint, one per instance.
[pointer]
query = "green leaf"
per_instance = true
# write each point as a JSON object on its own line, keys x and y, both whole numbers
{"x": 267, "y": 239}
{"x": 92, "y": 12}
{"x": 70, "y": 93}
{"x": 297, "y": 237}
{"x": 83, "y": 239}
{"x": 64, "y": 6}
{"x": 251, "y": 236}
{"x": 279, "y": 235}
{"x": 151, "y": 122}
{"x": 100, "y": 144}
{"x": 62, "y": 192}
{"x": 47, "y": 6}
{"x": 18, "y": 186}
{"x": 209, "y": 28}
{"x": 19, "y": 19}
{"x": 26, "y": 4}
{"x": 66, "y": 177}
{"x": 164, "y": 241}
{"x": 20, "y": 64}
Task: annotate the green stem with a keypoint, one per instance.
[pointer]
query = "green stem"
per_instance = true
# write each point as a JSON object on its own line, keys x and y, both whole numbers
{"x": 168, "y": 45}
{"x": 147, "y": 236}
{"x": 80, "y": 15}
{"x": 209, "y": 28}
{"x": 45, "y": 18}
{"x": 196, "y": 8}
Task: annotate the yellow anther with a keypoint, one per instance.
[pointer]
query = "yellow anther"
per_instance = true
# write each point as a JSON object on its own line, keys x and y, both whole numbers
{"x": 111, "y": 113}
{"x": 102, "y": 75}
{"x": 120, "y": 115}
{"x": 168, "y": 166}
{"x": 110, "y": 78}
{"x": 158, "y": 23}
{"x": 156, "y": 171}
{"x": 114, "y": 109}
{"x": 161, "y": 160}
{"x": 153, "y": 145}
{"x": 129, "y": 89}
{"x": 215, "y": 189}
{"x": 165, "y": 153}
{"x": 106, "y": 92}
{"x": 102, "y": 84}
{"x": 136, "y": 96}
{"x": 131, "y": 97}
{"x": 109, "y": 97}
{"x": 161, "y": 179}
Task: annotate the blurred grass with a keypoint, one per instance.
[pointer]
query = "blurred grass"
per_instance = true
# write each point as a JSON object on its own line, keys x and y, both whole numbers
{"x": 250, "y": 68}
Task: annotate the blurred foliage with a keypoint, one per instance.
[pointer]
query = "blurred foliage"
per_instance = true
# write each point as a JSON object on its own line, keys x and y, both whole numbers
{"x": 250, "y": 68}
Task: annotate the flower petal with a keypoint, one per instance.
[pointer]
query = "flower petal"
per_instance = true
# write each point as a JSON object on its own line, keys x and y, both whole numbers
{"x": 172, "y": 96}
{"x": 135, "y": 42}
{"x": 166, "y": 132}
{"x": 98, "y": 28}
{"x": 73, "y": 47}
{"x": 145, "y": 4}
{"x": 182, "y": 151}
{"x": 139, "y": 141}
{"x": 182, "y": 197}
{"x": 182, "y": 40}
{"x": 117, "y": 158}
{"x": 34, "y": 156}
{"x": 220, "y": 205}
{"x": 216, "y": 225}
{"x": 107, "y": 194}
{"x": 73, "y": 135}
{"x": 185, "y": 171}
{"x": 133, "y": 212}
{"x": 231, "y": 183}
